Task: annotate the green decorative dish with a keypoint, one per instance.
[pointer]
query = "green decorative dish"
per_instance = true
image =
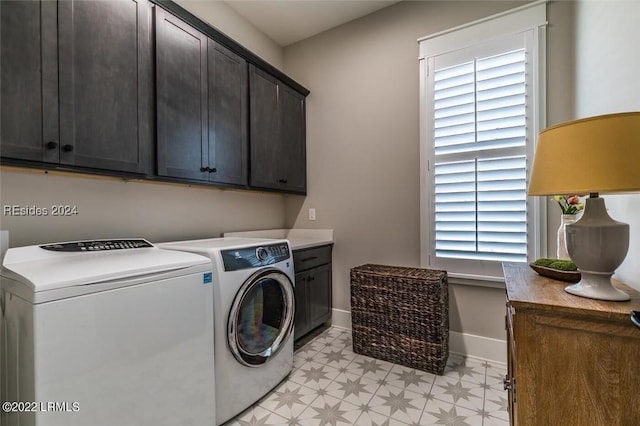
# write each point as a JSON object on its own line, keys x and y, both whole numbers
{"x": 557, "y": 274}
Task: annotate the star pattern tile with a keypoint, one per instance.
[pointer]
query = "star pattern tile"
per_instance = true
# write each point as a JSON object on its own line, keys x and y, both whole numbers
{"x": 330, "y": 385}
{"x": 411, "y": 379}
{"x": 403, "y": 405}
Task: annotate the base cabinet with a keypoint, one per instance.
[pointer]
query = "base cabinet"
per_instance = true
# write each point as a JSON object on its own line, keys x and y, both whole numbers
{"x": 571, "y": 360}
{"x": 313, "y": 289}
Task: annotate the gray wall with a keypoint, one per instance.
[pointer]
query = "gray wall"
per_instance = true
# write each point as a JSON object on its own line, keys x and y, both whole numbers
{"x": 363, "y": 138}
{"x": 227, "y": 21}
{"x": 110, "y": 208}
{"x": 607, "y": 81}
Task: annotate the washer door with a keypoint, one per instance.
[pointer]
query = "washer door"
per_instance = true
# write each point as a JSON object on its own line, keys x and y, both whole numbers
{"x": 261, "y": 317}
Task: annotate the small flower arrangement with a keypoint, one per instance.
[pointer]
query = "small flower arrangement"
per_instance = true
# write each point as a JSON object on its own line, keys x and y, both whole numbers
{"x": 569, "y": 204}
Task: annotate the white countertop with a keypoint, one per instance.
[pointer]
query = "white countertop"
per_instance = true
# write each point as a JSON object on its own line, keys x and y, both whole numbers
{"x": 299, "y": 238}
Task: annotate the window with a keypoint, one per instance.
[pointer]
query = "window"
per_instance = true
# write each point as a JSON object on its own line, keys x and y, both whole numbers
{"x": 481, "y": 111}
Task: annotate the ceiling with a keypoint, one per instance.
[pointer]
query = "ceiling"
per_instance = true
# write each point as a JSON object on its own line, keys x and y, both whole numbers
{"x": 289, "y": 21}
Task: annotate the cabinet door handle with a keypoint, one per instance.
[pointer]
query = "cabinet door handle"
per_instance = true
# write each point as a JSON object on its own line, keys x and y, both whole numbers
{"x": 51, "y": 145}
{"x": 67, "y": 148}
{"x": 282, "y": 181}
{"x": 213, "y": 170}
{"x": 204, "y": 169}
{"x": 306, "y": 259}
{"x": 507, "y": 383}
{"x": 312, "y": 278}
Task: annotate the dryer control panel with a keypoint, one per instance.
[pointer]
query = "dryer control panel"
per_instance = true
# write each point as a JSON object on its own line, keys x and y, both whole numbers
{"x": 98, "y": 245}
{"x": 254, "y": 257}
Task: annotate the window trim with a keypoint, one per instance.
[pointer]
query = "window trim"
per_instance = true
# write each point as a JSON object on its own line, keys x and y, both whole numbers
{"x": 530, "y": 17}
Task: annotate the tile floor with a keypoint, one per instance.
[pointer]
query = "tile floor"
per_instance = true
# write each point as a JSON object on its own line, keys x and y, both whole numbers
{"x": 332, "y": 385}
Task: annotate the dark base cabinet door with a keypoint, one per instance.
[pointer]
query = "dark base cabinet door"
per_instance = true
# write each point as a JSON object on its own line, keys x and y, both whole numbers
{"x": 105, "y": 84}
{"x": 302, "y": 312}
{"x": 313, "y": 299}
{"x": 29, "y": 80}
{"x": 313, "y": 288}
{"x": 319, "y": 295}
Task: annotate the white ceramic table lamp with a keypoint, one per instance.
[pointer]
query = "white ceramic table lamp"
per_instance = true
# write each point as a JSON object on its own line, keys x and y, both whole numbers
{"x": 591, "y": 156}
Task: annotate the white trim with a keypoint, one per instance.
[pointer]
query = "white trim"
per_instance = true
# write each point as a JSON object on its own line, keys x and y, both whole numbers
{"x": 530, "y": 22}
{"x": 425, "y": 211}
{"x": 469, "y": 345}
{"x": 485, "y": 348}
{"x": 475, "y": 280}
{"x": 539, "y": 210}
{"x": 341, "y": 319}
{"x": 511, "y": 21}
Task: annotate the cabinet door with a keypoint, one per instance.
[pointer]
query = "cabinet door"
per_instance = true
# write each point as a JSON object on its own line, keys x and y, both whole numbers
{"x": 265, "y": 129}
{"x": 301, "y": 319}
{"x": 105, "y": 84}
{"x": 228, "y": 113}
{"x": 319, "y": 295}
{"x": 29, "y": 83}
{"x": 181, "y": 86}
{"x": 293, "y": 133}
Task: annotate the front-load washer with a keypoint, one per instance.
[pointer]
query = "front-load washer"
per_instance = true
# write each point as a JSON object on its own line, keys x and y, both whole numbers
{"x": 107, "y": 332}
{"x": 254, "y": 310}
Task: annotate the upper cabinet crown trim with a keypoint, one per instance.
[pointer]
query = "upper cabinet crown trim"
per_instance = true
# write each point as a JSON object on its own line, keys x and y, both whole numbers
{"x": 229, "y": 43}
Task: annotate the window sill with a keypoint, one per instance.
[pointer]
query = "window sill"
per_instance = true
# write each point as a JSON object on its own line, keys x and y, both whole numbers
{"x": 476, "y": 280}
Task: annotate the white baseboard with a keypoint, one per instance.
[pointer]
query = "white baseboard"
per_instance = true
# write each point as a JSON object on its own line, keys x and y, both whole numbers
{"x": 341, "y": 319}
{"x": 485, "y": 348}
{"x": 480, "y": 347}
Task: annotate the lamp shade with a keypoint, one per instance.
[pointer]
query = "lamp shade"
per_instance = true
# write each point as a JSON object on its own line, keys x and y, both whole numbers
{"x": 598, "y": 154}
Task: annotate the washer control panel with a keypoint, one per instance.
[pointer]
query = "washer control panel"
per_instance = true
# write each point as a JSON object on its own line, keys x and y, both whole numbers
{"x": 97, "y": 245}
{"x": 252, "y": 257}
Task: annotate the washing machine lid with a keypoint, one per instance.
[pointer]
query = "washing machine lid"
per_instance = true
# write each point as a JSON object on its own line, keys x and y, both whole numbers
{"x": 69, "y": 264}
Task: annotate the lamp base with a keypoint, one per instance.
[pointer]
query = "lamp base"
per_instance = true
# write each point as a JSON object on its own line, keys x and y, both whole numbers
{"x": 597, "y": 285}
{"x": 597, "y": 244}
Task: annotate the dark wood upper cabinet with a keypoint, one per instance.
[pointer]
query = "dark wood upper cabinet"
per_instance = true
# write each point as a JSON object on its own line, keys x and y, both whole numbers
{"x": 105, "y": 84}
{"x": 181, "y": 91}
{"x": 293, "y": 135}
{"x": 265, "y": 129}
{"x": 76, "y": 83}
{"x": 29, "y": 83}
{"x": 201, "y": 104}
{"x": 277, "y": 131}
{"x": 81, "y": 90}
{"x": 228, "y": 112}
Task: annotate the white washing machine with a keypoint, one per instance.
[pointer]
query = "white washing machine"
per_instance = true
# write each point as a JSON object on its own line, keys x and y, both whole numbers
{"x": 108, "y": 332}
{"x": 254, "y": 310}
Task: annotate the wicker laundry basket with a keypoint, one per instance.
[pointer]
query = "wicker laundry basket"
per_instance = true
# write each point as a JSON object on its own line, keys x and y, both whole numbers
{"x": 401, "y": 315}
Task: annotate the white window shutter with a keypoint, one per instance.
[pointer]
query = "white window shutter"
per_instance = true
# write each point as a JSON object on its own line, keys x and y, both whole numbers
{"x": 480, "y": 196}
{"x": 482, "y": 103}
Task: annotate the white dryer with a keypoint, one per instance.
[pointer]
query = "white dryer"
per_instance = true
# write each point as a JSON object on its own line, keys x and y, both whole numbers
{"x": 107, "y": 332}
{"x": 254, "y": 310}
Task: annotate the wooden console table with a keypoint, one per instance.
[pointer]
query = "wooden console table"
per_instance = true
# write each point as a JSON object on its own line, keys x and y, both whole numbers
{"x": 571, "y": 360}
